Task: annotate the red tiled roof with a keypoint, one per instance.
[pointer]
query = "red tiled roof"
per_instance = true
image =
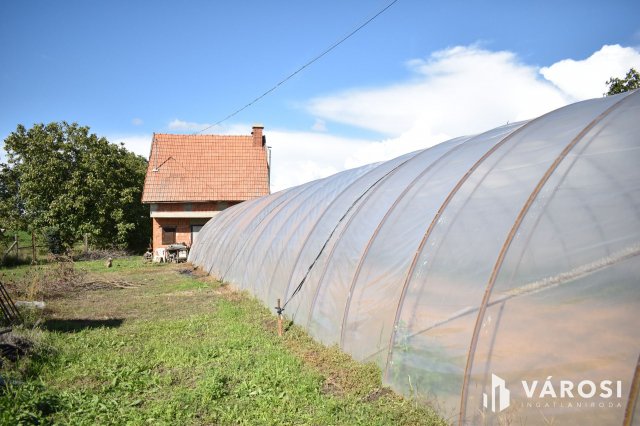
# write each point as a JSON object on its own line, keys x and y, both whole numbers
{"x": 205, "y": 168}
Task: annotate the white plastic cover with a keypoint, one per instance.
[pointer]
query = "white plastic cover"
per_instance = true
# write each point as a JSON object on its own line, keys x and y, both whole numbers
{"x": 512, "y": 254}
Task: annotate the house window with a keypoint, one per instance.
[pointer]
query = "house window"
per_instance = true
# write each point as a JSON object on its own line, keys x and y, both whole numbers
{"x": 168, "y": 235}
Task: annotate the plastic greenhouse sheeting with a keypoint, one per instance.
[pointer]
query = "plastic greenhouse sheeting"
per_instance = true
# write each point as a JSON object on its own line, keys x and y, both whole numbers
{"x": 496, "y": 276}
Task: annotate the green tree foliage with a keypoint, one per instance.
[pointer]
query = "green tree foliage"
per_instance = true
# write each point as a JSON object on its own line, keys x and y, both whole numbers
{"x": 9, "y": 203}
{"x": 8, "y": 208}
{"x": 621, "y": 85}
{"x": 61, "y": 180}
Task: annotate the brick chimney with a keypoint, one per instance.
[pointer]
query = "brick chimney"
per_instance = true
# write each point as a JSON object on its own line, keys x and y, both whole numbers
{"x": 258, "y": 139}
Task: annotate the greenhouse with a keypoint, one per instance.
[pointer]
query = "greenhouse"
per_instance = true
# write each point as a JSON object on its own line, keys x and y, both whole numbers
{"x": 495, "y": 276}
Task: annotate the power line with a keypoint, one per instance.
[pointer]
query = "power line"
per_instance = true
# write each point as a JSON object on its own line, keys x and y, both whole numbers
{"x": 290, "y": 76}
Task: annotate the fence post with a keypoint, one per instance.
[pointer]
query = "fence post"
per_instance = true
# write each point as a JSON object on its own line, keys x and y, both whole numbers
{"x": 15, "y": 239}
{"x": 279, "y": 319}
{"x": 86, "y": 243}
{"x": 33, "y": 248}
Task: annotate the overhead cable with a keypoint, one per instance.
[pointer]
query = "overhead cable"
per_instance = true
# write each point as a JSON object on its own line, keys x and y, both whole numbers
{"x": 290, "y": 76}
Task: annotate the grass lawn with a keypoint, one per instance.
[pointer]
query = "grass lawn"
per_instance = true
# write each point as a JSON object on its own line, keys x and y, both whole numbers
{"x": 177, "y": 348}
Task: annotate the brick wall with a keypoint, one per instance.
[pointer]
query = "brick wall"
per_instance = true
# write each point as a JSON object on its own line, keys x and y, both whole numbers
{"x": 182, "y": 225}
{"x": 183, "y": 229}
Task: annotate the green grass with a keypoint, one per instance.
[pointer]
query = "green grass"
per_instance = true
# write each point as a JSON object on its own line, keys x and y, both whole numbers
{"x": 24, "y": 243}
{"x": 177, "y": 350}
{"x": 24, "y": 237}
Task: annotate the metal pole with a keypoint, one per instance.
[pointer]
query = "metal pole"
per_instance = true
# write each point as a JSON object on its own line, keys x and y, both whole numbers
{"x": 279, "y": 319}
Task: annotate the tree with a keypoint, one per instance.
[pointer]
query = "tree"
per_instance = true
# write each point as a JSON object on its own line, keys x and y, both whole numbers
{"x": 66, "y": 182}
{"x": 621, "y": 85}
{"x": 8, "y": 204}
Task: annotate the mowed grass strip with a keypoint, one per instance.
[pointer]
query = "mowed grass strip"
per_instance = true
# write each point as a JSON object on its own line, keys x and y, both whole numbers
{"x": 182, "y": 349}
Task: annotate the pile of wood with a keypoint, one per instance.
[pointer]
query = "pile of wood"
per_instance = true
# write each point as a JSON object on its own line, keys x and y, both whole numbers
{"x": 60, "y": 278}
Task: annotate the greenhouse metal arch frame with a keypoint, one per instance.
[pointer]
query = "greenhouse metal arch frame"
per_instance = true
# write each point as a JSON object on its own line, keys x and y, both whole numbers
{"x": 512, "y": 253}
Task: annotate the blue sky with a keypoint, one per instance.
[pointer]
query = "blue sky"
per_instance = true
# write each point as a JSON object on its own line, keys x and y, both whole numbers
{"x": 420, "y": 73}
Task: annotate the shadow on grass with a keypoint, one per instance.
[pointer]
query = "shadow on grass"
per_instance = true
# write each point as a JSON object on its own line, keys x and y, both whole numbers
{"x": 75, "y": 325}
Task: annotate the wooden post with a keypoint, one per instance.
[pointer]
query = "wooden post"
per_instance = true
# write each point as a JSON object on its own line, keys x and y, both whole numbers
{"x": 34, "y": 255}
{"x": 15, "y": 239}
{"x": 279, "y": 320}
{"x": 6, "y": 253}
{"x": 86, "y": 243}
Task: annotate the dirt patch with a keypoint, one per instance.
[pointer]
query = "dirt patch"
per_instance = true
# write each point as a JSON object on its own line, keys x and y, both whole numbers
{"x": 331, "y": 387}
{"x": 94, "y": 285}
{"x": 103, "y": 254}
{"x": 229, "y": 293}
{"x": 376, "y": 394}
{"x": 187, "y": 271}
{"x": 183, "y": 293}
{"x": 270, "y": 323}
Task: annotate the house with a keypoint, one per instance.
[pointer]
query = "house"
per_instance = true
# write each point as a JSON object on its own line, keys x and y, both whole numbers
{"x": 191, "y": 178}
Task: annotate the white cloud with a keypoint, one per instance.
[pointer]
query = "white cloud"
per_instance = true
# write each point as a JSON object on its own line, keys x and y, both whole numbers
{"x": 583, "y": 79}
{"x": 465, "y": 90}
{"x": 319, "y": 125}
{"x": 188, "y": 126}
{"x": 137, "y": 121}
{"x": 454, "y": 92}
{"x": 386, "y": 149}
{"x": 140, "y": 144}
{"x": 299, "y": 157}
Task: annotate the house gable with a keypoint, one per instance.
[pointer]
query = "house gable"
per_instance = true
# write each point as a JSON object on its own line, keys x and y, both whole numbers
{"x": 201, "y": 168}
